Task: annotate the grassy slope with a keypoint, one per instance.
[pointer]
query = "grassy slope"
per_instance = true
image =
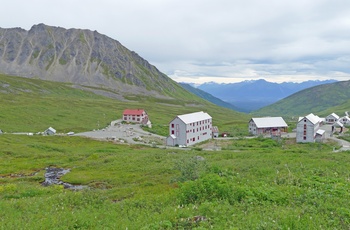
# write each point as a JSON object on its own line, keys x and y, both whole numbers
{"x": 316, "y": 100}
{"x": 29, "y": 105}
{"x": 251, "y": 184}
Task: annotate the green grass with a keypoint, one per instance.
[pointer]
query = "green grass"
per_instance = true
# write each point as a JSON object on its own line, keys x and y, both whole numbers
{"x": 251, "y": 184}
{"x": 30, "y": 105}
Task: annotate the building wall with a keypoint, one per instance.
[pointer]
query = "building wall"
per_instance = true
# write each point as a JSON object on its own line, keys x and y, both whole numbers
{"x": 258, "y": 131}
{"x": 143, "y": 118}
{"x": 330, "y": 119}
{"x": 306, "y": 131}
{"x": 252, "y": 127}
{"x": 190, "y": 134}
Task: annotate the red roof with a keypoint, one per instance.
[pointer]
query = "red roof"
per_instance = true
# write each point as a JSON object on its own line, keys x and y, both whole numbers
{"x": 133, "y": 112}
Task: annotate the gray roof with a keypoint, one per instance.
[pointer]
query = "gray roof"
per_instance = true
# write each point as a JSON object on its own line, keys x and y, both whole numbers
{"x": 194, "y": 117}
{"x": 320, "y": 132}
{"x": 314, "y": 119}
{"x": 333, "y": 115}
{"x": 268, "y": 122}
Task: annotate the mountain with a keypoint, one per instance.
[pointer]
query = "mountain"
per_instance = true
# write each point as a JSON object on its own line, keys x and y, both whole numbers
{"x": 82, "y": 57}
{"x": 252, "y": 95}
{"x": 318, "y": 99}
{"x": 208, "y": 97}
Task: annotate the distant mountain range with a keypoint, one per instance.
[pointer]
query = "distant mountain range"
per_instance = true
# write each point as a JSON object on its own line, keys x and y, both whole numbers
{"x": 253, "y": 95}
{"x": 208, "y": 97}
{"x": 321, "y": 100}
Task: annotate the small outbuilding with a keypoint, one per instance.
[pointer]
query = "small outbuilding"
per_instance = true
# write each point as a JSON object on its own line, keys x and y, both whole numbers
{"x": 50, "y": 131}
{"x": 267, "y": 125}
{"x": 215, "y": 130}
{"x": 320, "y": 135}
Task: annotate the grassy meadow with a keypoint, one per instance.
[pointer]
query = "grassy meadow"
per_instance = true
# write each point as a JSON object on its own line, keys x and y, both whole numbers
{"x": 254, "y": 183}
{"x": 250, "y": 184}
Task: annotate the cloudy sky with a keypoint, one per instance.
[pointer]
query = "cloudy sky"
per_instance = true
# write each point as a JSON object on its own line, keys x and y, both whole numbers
{"x": 205, "y": 40}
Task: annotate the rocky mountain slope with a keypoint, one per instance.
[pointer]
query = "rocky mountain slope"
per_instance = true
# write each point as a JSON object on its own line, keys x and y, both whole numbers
{"x": 82, "y": 57}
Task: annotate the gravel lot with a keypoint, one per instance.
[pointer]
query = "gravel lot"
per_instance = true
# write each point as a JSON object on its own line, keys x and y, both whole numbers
{"x": 124, "y": 133}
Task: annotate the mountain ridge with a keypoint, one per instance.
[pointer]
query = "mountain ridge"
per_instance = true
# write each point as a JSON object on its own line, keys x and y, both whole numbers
{"x": 255, "y": 94}
{"x": 82, "y": 57}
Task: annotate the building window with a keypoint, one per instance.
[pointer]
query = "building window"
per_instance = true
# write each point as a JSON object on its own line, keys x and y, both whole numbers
{"x": 304, "y": 132}
{"x": 305, "y": 126}
{"x": 172, "y": 125}
{"x": 304, "y": 138}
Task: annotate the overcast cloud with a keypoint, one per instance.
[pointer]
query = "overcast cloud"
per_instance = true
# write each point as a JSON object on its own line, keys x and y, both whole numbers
{"x": 206, "y": 40}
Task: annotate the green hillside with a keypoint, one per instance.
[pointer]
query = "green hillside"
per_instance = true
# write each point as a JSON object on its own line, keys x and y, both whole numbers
{"x": 320, "y": 100}
{"x": 251, "y": 183}
{"x": 32, "y": 105}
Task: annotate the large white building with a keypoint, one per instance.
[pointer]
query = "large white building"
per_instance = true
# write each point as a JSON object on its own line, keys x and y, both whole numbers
{"x": 189, "y": 129}
{"x": 308, "y": 129}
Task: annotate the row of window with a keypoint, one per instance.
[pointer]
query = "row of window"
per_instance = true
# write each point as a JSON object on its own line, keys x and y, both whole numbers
{"x": 200, "y": 122}
{"x": 131, "y": 116}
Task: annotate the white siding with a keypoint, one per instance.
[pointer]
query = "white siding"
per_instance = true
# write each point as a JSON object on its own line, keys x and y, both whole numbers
{"x": 306, "y": 130}
{"x": 190, "y": 133}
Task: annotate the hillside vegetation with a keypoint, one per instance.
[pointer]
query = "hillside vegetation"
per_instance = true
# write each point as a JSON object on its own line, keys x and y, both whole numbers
{"x": 321, "y": 100}
{"x": 32, "y": 105}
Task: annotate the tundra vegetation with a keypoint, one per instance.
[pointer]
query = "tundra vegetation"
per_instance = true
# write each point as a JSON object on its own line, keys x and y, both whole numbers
{"x": 251, "y": 183}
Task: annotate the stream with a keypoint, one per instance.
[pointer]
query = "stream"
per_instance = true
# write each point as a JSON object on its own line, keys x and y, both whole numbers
{"x": 53, "y": 175}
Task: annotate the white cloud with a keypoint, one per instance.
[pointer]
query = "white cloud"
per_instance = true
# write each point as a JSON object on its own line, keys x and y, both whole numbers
{"x": 203, "y": 40}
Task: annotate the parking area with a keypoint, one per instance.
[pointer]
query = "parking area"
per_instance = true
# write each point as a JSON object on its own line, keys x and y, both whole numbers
{"x": 124, "y": 133}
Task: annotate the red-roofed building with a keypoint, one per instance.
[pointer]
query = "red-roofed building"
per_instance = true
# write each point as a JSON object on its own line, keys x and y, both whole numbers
{"x": 135, "y": 116}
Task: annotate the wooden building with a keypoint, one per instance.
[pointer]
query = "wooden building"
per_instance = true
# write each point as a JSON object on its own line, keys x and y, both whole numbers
{"x": 135, "y": 116}
{"x": 267, "y": 125}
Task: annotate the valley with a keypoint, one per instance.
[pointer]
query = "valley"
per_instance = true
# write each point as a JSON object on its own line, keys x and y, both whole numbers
{"x": 79, "y": 82}
{"x": 245, "y": 182}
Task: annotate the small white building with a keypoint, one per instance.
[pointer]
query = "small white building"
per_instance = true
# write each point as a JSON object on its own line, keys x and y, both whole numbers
{"x": 50, "y": 131}
{"x": 189, "y": 129}
{"x": 267, "y": 125}
{"x": 215, "y": 131}
{"x": 345, "y": 120}
{"x": 308, "y": 127}
{"x": 331, "y": 118}
{"x": 320, "y": 135}
{"x": 135, "y": 116}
